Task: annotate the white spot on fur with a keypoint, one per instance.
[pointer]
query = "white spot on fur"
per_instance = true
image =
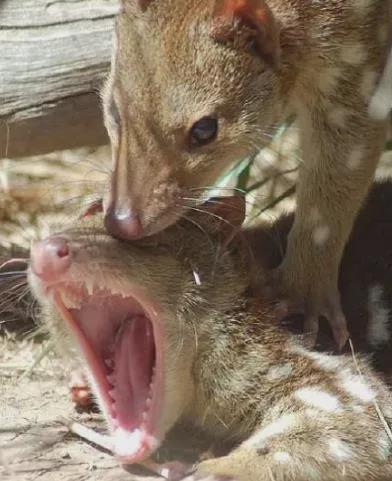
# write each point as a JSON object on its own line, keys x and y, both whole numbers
{"x": 279, "y": 372}
{"x": 337, "y": 117}
{"x": 321, "y": 234}
{"x": 385, "y": 446}
{"x": 282, "y": 457}
{"x": 368, "y": 84}
{"x": 329, "y": 363}
{"x": 339, "y": 449}
{"x": 378, "y": 325}
{"x": 312, "y": 413}
{"x": 358, "y": 388}
{"x": 323, "y": 361}
{"x": 355, "y": 158}
{"x": 328, "y": 80}
{"x": 358, "y": 409}
{"x": 353, "y": 54}
{"x": 318, "y": 399}
{"x": 279, "y": 426}
{"x": 381, "y": 103}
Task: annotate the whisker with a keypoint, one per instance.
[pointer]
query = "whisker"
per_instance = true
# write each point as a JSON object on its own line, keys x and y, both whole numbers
{"x": 275, "y": 201}
{"x": 237, "y": 231}
{"x": 14, "y": 287}
{"x": 212, "y": 214}
{"x": 6, "y": 275}
{"x": 192, "y": 221}
{"x": 212, "y": 187}
{"x": 260, "y": 183}
{"x": 14, "y": 260}
{"x": 24, "y": 292}
{"x": 217, "y": 202}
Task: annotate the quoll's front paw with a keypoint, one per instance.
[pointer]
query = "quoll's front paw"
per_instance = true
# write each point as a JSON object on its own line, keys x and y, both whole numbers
{"x": 312, "y": 299}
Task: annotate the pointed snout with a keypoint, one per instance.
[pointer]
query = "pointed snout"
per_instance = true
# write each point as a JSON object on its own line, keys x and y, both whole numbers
{"x": 123, "y": 223}
{"x": 50, "y": 258}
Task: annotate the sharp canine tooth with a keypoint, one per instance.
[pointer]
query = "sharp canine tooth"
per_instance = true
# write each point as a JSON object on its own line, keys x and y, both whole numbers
{"x": 89, "y": 286}
{"x": 109, "y": 363}
{"x": 111, "y": 378}
{"x": 70, "y": 300}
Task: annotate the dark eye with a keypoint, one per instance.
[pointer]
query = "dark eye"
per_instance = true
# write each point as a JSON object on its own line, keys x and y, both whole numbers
{"x": 113, "y": 111}
{"x": 203, "y": 131}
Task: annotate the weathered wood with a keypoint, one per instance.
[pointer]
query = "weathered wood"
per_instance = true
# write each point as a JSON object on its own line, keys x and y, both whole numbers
{"x": 54, "y": 57}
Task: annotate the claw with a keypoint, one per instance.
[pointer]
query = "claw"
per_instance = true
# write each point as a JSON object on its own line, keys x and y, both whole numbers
{"x": 340, "y": 333}
{"x": 311, "y": 327}
{"x": 337, "y": 321}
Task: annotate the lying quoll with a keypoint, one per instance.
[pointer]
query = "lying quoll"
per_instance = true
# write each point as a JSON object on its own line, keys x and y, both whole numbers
{"x": 171, "y": 328}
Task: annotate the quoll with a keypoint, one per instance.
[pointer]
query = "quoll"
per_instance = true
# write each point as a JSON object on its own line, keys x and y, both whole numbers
{"x": 174, "y": 327}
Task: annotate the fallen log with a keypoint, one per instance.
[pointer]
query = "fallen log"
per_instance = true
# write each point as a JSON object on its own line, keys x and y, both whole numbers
{"x": 55, "y": 54}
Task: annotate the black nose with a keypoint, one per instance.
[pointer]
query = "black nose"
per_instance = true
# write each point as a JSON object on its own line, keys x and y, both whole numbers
{"x": 123, "y": 223}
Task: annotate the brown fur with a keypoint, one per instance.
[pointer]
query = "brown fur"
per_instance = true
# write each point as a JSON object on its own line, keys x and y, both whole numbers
{"x": 321, "y": 60}
{"x": 293, "y": 414}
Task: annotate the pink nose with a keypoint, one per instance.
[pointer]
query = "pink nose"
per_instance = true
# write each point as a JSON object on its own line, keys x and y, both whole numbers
{"x": 50, "y": 258}
{"x": 123, "y": 223}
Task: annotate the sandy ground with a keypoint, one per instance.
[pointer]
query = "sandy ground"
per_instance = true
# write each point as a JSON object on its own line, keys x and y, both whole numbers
{"x": 35, "y": 443}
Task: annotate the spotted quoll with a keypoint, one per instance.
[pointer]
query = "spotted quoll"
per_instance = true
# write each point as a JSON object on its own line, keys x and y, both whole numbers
{"x": 175, "y": 327}
{"x": 196, "y": 85}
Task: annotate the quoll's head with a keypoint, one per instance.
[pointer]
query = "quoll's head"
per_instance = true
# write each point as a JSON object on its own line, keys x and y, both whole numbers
{"x": 192, "y": 89}
{"x": 133, "y": 309}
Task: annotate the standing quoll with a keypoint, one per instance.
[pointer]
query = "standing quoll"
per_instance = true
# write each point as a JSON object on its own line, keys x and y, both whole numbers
{"x": 174, "y": 327}
{"x": 197, "y": 85}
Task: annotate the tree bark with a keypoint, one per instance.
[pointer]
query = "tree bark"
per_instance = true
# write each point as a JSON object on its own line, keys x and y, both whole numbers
{"x": 55, "y": 55}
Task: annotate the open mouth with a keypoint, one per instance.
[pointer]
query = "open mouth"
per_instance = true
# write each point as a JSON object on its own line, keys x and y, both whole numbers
{"x": 120, "y": 338}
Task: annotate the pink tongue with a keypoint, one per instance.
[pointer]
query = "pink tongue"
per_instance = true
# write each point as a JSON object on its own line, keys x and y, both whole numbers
{"x": 134, "y": 361}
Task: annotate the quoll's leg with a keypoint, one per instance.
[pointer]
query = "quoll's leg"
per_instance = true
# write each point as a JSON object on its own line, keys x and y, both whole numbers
{"x": 341, "y": 149}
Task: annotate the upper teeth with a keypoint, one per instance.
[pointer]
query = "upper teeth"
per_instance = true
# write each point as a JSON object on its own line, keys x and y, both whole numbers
{"x": 109, "y": 363}
{"x": 70, "y": 299}
{"x": 89, "y": 283}
{"x": 111, "y": 379}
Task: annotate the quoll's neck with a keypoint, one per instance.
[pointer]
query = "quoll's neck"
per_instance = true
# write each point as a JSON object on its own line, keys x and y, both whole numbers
{"x": 240, "y": 347}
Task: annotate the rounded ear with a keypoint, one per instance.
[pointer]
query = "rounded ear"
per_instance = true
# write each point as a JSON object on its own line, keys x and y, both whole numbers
{"x": 231, "y": 16}
{"x": 223, "y": 216}
{"x": 227, "y": 211}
